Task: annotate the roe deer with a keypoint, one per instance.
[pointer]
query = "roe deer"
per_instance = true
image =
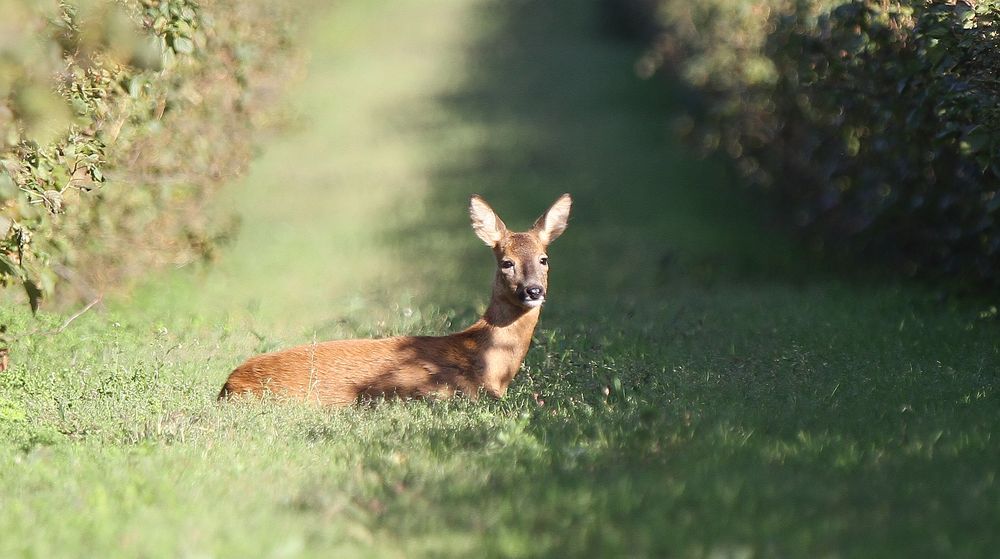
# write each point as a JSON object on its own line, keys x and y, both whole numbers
{"x": 485, "y": 356}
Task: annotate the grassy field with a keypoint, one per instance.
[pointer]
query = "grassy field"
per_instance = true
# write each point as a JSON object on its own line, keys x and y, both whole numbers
{"x": 698, "y": 385}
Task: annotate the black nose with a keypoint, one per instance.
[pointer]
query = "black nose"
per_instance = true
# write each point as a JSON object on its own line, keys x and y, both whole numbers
{"x": 534, "y": 292}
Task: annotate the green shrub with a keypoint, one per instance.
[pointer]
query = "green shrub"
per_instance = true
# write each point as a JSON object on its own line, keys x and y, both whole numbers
{"x": 877, "y": 123}
{"x": 117, "y": 120}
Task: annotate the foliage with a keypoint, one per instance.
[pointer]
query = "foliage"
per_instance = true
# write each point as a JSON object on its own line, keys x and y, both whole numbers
{"x": 877, "y": 123}
{"x": 117, "y": 118}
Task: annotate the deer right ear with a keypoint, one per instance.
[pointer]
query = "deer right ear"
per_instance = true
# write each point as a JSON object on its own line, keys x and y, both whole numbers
{"x": 553, "y": 222}
{"x": 485, "y": 222}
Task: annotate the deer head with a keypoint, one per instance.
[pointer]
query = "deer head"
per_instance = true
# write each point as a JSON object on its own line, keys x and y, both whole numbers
{"x": 522, "y": 263}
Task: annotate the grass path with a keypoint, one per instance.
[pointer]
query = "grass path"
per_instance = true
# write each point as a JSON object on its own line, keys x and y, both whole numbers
{"x": 708, "y": 390}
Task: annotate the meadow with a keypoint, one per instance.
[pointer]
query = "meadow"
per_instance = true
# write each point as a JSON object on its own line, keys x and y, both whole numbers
{"x": 700, "y": 384}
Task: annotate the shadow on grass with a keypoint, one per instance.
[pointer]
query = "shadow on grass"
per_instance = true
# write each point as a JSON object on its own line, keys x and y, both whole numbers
{"x": 709, "y": 390}
{"x": 557, "y": 108}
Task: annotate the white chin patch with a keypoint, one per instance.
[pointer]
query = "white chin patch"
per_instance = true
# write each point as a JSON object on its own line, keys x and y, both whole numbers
{"x": 534, "y": 303}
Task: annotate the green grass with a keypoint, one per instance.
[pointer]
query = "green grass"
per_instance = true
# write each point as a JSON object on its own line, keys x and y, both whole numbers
{"x": 709, "y": 390}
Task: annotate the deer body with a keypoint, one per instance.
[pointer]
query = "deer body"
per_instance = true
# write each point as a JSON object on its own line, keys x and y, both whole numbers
{"x": 484, "y": 357}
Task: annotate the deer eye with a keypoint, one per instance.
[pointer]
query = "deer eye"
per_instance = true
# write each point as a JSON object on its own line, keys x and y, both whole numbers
{"x": 507, "y": 264}
{"x": 544, "y": 261}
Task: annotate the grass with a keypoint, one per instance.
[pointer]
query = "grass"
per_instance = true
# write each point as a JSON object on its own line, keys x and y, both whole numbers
{"x": 709, "y": 390}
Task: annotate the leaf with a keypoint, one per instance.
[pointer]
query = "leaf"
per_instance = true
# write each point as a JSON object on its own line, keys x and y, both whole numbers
{"x": 79, "y": 106}
{"x": 183, "y": 45}
{"x": 976, "y": 140}
{"x": 135, "y": 87}
{"x": 34, "y": 294}
{"x": 938, "y": 32}
{"x": 7, "y": 188}
{"x": 47, "y": 280}
{"x": 8, "y": 268}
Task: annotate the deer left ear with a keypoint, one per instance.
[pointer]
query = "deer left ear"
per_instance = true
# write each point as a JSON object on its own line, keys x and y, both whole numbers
{"x": 485, "y": 222}
{"x": 553, "y": 222}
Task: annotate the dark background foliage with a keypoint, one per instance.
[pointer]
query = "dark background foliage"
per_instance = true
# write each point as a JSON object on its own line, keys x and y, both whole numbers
{"x": 875, "y": 124}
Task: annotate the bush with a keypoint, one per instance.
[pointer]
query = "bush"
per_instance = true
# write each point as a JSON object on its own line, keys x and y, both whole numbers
{"x": 877, "y": 123}
{"x": 117, "y": 120}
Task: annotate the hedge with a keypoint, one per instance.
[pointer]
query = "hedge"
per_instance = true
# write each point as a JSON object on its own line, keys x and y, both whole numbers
{"x": 118, "y": 119}
{"x": 875, "y": 123}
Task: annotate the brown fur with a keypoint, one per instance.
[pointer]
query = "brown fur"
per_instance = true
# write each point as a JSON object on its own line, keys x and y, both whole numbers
{"x": 485, "y": 356}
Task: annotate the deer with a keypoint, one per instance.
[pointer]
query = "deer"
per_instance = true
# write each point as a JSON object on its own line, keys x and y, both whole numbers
{"x": 482, "y": 359}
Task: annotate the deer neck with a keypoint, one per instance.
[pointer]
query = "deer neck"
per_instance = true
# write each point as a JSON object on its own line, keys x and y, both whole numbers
{"x": 503, "y": 335}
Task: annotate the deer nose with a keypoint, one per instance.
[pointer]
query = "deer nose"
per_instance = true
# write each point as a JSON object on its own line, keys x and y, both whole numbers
{"x": 534, "y": 292}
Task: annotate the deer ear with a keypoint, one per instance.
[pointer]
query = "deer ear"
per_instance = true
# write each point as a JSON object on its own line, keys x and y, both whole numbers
{"x": 553, "y": 222}
{"x": 485, "y": 222}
